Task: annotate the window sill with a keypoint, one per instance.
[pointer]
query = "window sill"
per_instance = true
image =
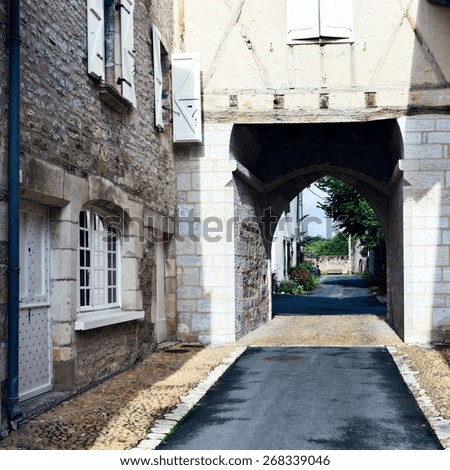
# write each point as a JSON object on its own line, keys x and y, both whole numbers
{"x": 90, "y": 320}
{"x": 109, "y": 95}
{"x": 320, "y": 41}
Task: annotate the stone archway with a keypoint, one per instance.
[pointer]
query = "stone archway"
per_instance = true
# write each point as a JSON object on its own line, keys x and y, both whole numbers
{"x": 277, "y": 161}
{"x": 227, "y": 185}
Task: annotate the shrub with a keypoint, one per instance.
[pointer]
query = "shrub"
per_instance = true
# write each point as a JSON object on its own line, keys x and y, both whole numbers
{"x": 300, "y": 280}
{"x": 302, "y": 274}
{"x": 286, "y": 287}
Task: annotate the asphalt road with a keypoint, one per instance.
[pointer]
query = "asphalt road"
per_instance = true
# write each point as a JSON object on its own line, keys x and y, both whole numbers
{"x": 326, "y": 398}
{"x": 335, "y": 295}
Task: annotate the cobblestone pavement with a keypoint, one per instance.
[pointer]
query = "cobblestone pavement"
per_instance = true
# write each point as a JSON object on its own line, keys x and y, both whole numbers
{"x": 119, "y": 413}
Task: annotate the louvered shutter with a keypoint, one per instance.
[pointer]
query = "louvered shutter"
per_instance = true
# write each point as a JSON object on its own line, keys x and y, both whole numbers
{"x": 336, "y": 19}
{"x": 187, "y": 122}
{"x": 128, "y": 52}
{"x": 96, "y": 38}
{"x": 158, "y": 78}
{"x": 302, "y": 19}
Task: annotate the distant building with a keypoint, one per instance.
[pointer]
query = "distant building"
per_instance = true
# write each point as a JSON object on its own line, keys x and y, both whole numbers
{"x": 286, "y": 249}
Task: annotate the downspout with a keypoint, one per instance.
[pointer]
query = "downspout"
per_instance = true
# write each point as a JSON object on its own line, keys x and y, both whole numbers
{"x": 12, "y": 393}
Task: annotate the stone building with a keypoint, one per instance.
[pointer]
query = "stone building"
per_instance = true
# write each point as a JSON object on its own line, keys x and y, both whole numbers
{"x": 294, "y": 90}
{"x": 115, "y": 141}
{"x": 97, "y": 191}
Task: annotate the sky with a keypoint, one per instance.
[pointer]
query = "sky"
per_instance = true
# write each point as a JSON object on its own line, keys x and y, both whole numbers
{"x": 316, "y": 223}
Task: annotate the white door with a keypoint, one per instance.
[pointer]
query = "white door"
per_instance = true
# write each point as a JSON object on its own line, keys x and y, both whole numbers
{"x": 159, "y": 295}
{"x": 34, "y": 312}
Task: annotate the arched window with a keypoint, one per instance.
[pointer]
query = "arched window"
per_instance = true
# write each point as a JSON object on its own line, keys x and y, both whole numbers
{"x": 99, "y": 262}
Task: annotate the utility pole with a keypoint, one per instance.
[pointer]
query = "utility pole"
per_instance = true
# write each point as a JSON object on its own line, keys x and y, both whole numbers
{"x": 350, "y": 269}
{"x": 299, "y": 237}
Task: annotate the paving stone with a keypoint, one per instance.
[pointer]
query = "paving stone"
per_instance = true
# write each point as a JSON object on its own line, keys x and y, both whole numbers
{"x": 149, "y": 444}
{"x": 160, "y": 429}
{"x": 156, "y": 437}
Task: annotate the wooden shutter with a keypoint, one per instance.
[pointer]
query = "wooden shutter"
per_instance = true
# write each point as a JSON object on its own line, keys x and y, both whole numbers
{"x": 158, "y": 78}
{"x": 187, "y": 122}
{"x": 302, "y": 19}
{"x": 128, "y": 52}
{"x": 336, "y": 19}
{"x": 96, "y": 38}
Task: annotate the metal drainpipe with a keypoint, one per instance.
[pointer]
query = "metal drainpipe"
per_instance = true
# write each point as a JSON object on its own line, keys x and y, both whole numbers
{"x": 12, "y": 393}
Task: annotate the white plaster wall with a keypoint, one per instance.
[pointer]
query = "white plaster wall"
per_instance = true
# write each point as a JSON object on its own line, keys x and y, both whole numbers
{"x": 399, "y": 53}
{"x": 285, "y": 230}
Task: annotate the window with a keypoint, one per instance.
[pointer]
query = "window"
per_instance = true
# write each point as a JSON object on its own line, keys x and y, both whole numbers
{"x": 111, "y": 53}
{"x": 319, "y": 21}
{"x": 98, "y": 262}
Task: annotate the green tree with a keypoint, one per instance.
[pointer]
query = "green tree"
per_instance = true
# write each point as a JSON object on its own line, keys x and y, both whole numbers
{"x": 336, "y": 246}
{"x": 350, "y": 212}
{"x": 307, "y": 239}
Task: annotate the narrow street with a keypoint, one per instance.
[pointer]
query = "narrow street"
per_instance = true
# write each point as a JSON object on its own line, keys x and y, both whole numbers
{"x": 335, "y": 295}
{"x": 307, "y": 398}
{"x": 327, "y": 398}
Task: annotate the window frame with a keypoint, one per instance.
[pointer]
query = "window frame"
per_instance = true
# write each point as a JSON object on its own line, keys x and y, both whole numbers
{"x": 92, "y": 212}
{"x": 111, "y": 25}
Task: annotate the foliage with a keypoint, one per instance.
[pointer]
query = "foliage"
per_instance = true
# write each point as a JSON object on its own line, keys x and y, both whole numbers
{"x": 308, "y": 239}
{"x": 299, "y": 273}
{"x": 350, "y": 212}
{"x": 289, "y": 287}
{"x": 300, "y": 280}
{"x": 336, "y": 246}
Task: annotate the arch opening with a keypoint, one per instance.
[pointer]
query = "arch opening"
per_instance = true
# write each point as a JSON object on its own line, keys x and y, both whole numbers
{"x": 324, "y": 235}
{"x": 276, "y": 162}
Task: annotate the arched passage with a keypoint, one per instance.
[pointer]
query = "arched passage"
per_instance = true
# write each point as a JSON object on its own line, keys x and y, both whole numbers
{"x": 233, "y": 187}
{"x": 277, "y": 161}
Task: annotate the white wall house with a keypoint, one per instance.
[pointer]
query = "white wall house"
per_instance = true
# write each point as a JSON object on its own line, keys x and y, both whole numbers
{"x": 295, "y": 90}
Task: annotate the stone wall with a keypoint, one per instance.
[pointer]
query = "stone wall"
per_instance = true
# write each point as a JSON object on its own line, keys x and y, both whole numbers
{"x": 204, "y": 247}
{"x": 66, "y": 124}
{"x": 77, "y": 149}
{"x": 426, "y": 231}
{"x": 334, "y": 264}
{"x": 395, "y": 255}
{"x": 253, "y": 278}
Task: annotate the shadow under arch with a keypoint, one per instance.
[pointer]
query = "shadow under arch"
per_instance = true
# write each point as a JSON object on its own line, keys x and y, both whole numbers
{"x": 276, "y": 200}
{"x": 275, "y": 162}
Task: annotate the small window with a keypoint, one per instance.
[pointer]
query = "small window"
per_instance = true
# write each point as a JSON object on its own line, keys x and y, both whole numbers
{"x": 98, "y": 282}
{"x": 319, "y": 21}
{"x": 160, "y": 71}
{"x": 111, "y": 53}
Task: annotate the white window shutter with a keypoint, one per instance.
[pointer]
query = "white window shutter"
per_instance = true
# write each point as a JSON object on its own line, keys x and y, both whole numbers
{"x": 336, "y": 19}
{"x": 96, "y": 38}
{"x": 187, "y": 122}
{"x": 158, "y": 78}
{"x": 128, "y": 52}
{"x": 302, "y": 19}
